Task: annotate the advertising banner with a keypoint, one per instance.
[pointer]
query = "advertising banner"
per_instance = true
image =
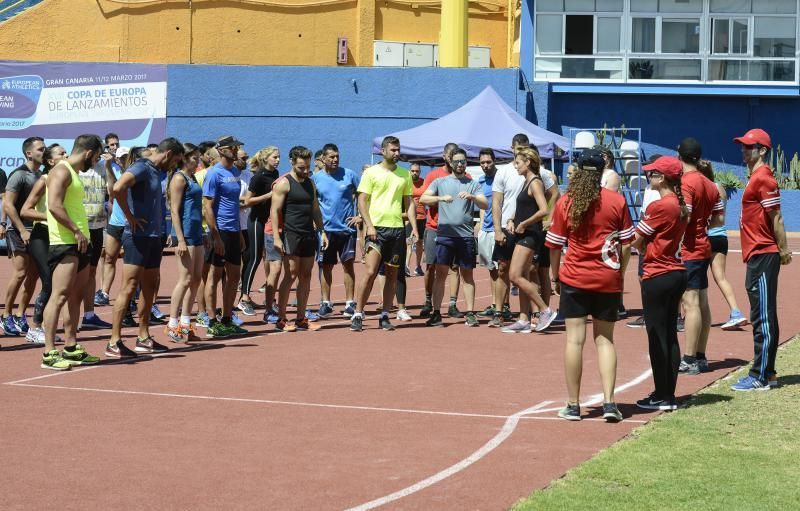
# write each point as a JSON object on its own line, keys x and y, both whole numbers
{"x": 60, "y": 100}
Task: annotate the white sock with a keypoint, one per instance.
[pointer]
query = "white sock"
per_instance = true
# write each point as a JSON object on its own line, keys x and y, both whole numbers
{"x": 358, "y": 314}
{"x": 173, "y": 322}
{"x": 384, "y": 313}
{"x": 186, "y": 320}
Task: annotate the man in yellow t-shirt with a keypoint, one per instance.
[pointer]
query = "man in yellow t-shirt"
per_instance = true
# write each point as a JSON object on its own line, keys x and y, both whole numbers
{"x": 385, "y": 194}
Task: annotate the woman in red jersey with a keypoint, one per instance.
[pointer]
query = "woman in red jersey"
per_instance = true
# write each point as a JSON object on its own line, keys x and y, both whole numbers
{"x": 658, "y": 237}
{"x": 594, "y": 222}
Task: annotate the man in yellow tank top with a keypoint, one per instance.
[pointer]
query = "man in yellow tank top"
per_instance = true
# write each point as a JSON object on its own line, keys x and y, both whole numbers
{"x": 68, "y": 256}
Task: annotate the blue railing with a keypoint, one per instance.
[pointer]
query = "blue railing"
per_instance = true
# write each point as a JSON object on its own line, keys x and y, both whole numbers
{"x": 10, "y": 8}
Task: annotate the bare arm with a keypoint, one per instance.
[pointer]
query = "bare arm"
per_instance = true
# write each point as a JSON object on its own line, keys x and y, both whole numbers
{"x": 638, "y": 243}
{"x": 11, "y": 213}
{"x": 429, "y": 199}
{"x": 497, "y": 216}
{"x": 279, "y": 192}
{"x": 780, "y": 235}
{"x": 249, "y": 200}
{"x": 363, "y": 207}
{"x": 28, "y": 210}
{"x": 120, "y": 194}
{"x": 481, "y": 201}
{"x": 411, "y": 208}
{"x": 177, "y": 187}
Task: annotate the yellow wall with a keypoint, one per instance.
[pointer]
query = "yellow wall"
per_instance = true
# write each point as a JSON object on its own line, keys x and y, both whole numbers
{"x": 233, "y": 32}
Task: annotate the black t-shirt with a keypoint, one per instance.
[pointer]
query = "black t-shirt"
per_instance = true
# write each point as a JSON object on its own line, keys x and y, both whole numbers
{"x": 261, "y": 184}
{"x": 3, "y": 181}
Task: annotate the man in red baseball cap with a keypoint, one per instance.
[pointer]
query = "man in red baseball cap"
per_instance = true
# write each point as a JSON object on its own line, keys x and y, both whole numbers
{"x": 764, "y": 250}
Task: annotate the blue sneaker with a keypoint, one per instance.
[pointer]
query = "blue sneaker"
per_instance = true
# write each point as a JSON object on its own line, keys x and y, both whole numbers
{"x": 735, "y": 321}
{"x": 132, "y": 307}
{"x": 100, "y": 298}
{"x": 325, "y": 310}
{"x": 349, "y": 310}
{"x": 749, "y": 383}
{"x": 156, "y": 312}
{"x": 311, "y": 315}
{"x": 272, "y": 318}
{"x": 202, "y": 319}
{"x": 9, "y": 326}
{"x": 94, "y": 322}
{"x": 22, "y": 324}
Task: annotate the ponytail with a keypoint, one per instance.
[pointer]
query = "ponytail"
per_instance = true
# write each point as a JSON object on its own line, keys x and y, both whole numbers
{"x": 704, "y": 166}
{"x": 583, "y": 190}
{"x": 675, "y": 185}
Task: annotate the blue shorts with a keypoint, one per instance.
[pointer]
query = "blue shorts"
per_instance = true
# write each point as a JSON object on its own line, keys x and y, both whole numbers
{"x": 142, "y": 251}
{"x": 697, "y": 273}
{"x": 341, "y": 246}
{"x": 269, "y": 248}
{"x": 455, "y": 251}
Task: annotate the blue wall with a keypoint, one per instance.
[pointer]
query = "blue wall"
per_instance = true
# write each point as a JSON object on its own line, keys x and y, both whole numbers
{"x": 287, "y": 106}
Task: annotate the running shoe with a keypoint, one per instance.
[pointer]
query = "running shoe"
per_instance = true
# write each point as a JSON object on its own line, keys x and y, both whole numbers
{"x": 636, "y": 323}
{"x": 689, "y": 368}
{"x": 236, "y": 320}
{"x": 408, "y": 272}
{"x": 132, "y": 306}
{"x": 35, "y": 335}
{"x": 702, "y": 365}
{"x": 506, "y": 313}
{"x": 773, "y": 382}
{"x": 611, "y": 413}
{"x": 570, "y": 412}
{"x": 271, "y": 317}
{"x": 385, "y": 324}
{"x": 653, "y": 402}
{"x": 22, "y": 324}
{"x": 546, "y": 318}
{"x": 311, "y": 315}
{"x": 325, "y": 310}
{"x": 188, "y": 333}
{"x": 559, "y": 318}
{"x": 202, "y": 319}
{"x": 453, "y": 312}
{"x": 217, "y": 331}
{"x": 304, "y": 326}
{"x": 349, "y": 310}
{"x": 175, "y": 334}
{"x": 247, "y": 307}
{"x": 9, "y": 326}
{"x": 54, "y": 361}
{"x": 78, "y": 356}
{"x": 680, "y": 326}
{"x": 488, "y": 312}
{"x": 235, "y": 329}
{"x": 418, "y": 272}
{"x": 426, "y": 310}
{"x": 283, "y": 325}
{"x": 748, "y": 383}
{"x": 263, "y": 288}
{"x": 403, "y": 315}
{"x": 94, "y": 322}
{"x": 128, "y": 321}
{"x": 735, "y": 321}
{"x": 149, "y": 345}
{"x": 622, "y": 312}
{"x": 496, "y": 321}
{"x": 357, "y": 323}
{"x": 155, "y": 311}
{"x": 119, "y": 350}
{"x": 100, "y": 298}
{"x": 435, "y": 320}
{"x": 518, "y": 327}
{"x": 471, "y": 319}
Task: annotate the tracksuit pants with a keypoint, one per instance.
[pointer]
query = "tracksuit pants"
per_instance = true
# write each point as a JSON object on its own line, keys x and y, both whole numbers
{"x": 761, "y": 282}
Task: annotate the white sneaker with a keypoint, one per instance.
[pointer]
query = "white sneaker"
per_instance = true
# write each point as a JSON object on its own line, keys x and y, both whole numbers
{"x": 403, "y": 315}
{"x": 545, "y": 319}
{"x": 236, "y": 320}
{"x": 35, "y": 336}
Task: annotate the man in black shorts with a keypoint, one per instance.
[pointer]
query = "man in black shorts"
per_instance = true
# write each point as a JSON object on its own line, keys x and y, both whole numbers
{"x": 385, "y": 194}
{"x": 294, "y": 200}
{"x": 19, "y": 185}
{"x": 141, "y": 241}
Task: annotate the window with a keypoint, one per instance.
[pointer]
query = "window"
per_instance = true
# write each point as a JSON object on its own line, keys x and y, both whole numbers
{"x": 608, "y": 35}
{"x": 643, "y": 37}
{"x": 680, "y": 36}
{"x": 774, "y": 37}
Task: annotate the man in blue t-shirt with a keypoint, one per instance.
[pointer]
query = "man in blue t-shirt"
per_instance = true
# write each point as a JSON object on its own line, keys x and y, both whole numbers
{"x": 485, "y": 235}
{"x": 138, "y": 192}
{"x": 221, "y": 191}
{"x": 337, "y": 191}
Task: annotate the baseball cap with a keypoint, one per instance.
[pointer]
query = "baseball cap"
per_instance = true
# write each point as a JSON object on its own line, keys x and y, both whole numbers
{"x": 591, "y": 159}
{"x": 669, "y": 166}
{"x": 122, "y": 151}
{"x": 228, "y": 141}
{"x": 690, "y": 148}
{"x": 755, "y": 136}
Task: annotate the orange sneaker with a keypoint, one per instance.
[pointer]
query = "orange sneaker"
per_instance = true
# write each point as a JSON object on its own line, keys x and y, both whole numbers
{"x": 283, "y": 325}
{"x": 303, "y": 325}
{"x": 175, "y": 334}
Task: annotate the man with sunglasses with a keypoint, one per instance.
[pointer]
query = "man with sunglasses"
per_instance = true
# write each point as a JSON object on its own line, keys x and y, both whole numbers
{"x": 764, "y": 250}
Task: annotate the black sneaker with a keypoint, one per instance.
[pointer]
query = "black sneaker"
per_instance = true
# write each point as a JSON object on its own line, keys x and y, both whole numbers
{"x": 471, "y": 319}
{"x": 385, "y": 324}
{"x": 435, "y": 319}
{"x": 652, "y": 402}
{"x": 690, "y": 368}
{"x": 622, "y": 312}
{"x": 570, "y": 412}
{"x": 506, "y": 313}
{"x": 488, "y": 312}
{"x": 636, "y": 323}
{"x": 702, "y": 365}
{"x": 357, "y": 323}
{"x": 611, "y": 413}
{"x": 128, "y": 320}
{"x": 425, "y": 311}
{"x": 453, "y": 312}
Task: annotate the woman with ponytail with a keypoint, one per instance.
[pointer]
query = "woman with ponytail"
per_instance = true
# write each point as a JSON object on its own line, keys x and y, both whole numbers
{"x": 594, "y": 223}
{"x": 658, "y": 238}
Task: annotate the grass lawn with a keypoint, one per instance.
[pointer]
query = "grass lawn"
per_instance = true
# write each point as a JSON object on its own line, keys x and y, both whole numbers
{"x": 726, "y": 450}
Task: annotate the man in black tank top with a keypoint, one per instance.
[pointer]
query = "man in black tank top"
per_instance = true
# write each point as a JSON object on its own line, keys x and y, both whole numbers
{"x": 296, "y": 215}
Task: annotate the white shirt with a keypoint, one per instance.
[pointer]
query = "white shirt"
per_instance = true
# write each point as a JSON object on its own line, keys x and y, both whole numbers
{"x": 649, "y": 197}
{"x": 508, "y": 182}
{"x": 244, "y": 181}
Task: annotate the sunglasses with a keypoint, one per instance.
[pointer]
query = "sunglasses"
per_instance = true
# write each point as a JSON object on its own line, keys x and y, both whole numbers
{"x": 459, "y": 162}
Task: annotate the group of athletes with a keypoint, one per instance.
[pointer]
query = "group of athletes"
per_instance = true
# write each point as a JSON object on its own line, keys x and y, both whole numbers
{"x": 223, "y": 211}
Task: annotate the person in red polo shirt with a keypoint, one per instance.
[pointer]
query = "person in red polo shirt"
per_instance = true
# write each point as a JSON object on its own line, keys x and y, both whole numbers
{"x": 764, "y": 250}
{"x": 658, "y": 237}
{"x": 703, "y": 200}
{"x": 594, "y": 223}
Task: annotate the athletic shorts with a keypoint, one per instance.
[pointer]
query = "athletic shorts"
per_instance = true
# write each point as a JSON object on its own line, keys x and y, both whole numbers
{"x": 390, "y": 243}
{"x": 697, "y": 273}
{"x": 455, "y": 251}
{"x": 95, "y": 246}
{"x": 299, "y": 245}
{"x": 14, "y": 243}
{"x": 142, "y": 251}
{"x": 542, "y": 257}
{"x": 486, "y": 249}
{"x": 429, "y": 246}
{"x": 269, "y": 248}
{"x": 577, "y": 303}
{"x": 115, "y": 231}
{"x": 504, "y": 252}
{"x": 189, "y": 242}
{"x": 341, "y": 247}
{"x": 57, "y": 253}
{"x": 231, "y": 250}
{"x": 420, "y": 228}
{"x": 719, "y": 244}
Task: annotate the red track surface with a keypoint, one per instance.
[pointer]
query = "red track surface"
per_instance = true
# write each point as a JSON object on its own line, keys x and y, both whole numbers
{"x": 326, "y": 420}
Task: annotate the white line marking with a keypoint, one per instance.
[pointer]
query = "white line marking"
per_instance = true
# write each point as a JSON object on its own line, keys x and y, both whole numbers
{"x": 492, "y": 444}
{"x": 598, "y": 398}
